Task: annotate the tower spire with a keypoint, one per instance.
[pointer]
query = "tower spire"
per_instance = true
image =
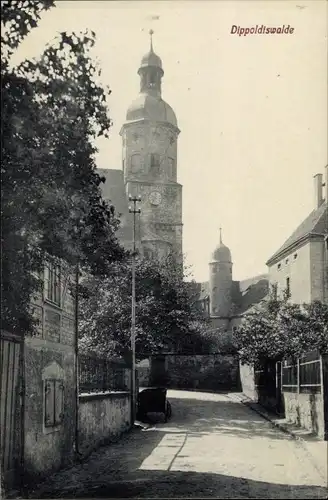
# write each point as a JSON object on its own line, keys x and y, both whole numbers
{"x": 151, "y": 71}
{"x": 220, "y": 235}
{"x": 151, "y": 32}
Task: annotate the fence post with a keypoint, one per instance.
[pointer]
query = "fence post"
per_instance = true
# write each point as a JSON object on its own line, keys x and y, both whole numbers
{"x": 324, "y": 391}
{"x": 104, "y": 375}
{"x": 298, "y": 376}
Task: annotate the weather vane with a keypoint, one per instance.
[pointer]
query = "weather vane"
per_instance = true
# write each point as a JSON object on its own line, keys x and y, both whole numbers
{"x": 151, "y": 32}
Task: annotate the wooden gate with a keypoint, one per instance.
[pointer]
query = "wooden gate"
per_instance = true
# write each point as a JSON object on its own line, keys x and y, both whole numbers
{"x": 10, "y": 407}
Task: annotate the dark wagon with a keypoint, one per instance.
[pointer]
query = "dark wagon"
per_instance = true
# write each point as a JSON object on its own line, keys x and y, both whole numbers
{"x": 153, "y": 400}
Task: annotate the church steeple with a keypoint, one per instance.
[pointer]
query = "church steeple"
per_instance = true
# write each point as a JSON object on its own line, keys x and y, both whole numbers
{"x": 151, "y": 71}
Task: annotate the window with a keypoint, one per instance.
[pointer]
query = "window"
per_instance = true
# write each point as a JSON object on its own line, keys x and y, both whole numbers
{"x": 288, "y": 286}
{"x": 286, "y": 261}
{"x": 171, "y": 167}
{"x": 53, "y": 402}
{"x": 52, "y": 282}
{"x": 154, "y": 161}
{"x": 279, "y": 266}
{"x": 148, "y": 254}
{"x": 135, "y": 163}
{"x": 295, "y": 256}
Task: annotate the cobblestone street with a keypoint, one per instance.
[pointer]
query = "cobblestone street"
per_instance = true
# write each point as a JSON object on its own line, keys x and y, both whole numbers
{"x": 213, "y": 447}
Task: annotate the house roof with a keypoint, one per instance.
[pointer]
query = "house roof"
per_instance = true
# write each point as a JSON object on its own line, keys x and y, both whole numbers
{"x": 245, "y": 294}
{"x": 253, "y": 292}
{"x": 204, "y": 290}
{"x": 257, "y": 306}
{"x": 315, "y": 224}
{"x": 244, "y": 285}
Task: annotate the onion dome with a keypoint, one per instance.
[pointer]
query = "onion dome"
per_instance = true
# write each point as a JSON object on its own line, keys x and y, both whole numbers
{"x": 148, "y": 107}
{"x": 222, "y": 252}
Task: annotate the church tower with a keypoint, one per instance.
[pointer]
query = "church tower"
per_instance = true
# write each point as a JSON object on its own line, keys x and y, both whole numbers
{"x": 220, "y": 282}
{"x": 149, "y": 157}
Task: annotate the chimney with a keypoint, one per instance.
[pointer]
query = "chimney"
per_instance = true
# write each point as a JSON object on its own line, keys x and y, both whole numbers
{"x": 317, "y": 191}
{"x": 326, "y": 184}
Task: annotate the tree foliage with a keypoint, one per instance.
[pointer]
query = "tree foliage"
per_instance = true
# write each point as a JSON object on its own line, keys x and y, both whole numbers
{"x": 52, "y": 111}
{"x": 168, "y": 318}
{"x": 279, "y": 329}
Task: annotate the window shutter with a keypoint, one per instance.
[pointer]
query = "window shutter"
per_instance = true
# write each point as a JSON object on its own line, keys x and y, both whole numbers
{"x": 49, "y": 407}
{"x": 59, "y": 402}
{"x": 46, "y": 280}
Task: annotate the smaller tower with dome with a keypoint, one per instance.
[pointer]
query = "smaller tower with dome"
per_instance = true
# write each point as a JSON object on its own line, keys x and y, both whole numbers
{"x": 225, "y": 300}
{"x": 220, "y": 281}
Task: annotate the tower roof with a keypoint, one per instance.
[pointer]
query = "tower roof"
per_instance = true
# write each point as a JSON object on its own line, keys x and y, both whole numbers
{"x": 147, "y": 107}
{"x": 221, "y": 252}
{"x": 151, "y": 59}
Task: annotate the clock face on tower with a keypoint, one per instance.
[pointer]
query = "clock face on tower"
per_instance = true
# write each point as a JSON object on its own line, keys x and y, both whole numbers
{"x": 155, "y": 198}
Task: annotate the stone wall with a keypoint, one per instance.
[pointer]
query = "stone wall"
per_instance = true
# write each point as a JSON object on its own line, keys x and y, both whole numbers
{"x": 207, "y": 372}
{"x": 305, "y": 410}
{"x": 103, "y": 417}
{"x": 247, "y": 381}
{"x": 48, "y": 447}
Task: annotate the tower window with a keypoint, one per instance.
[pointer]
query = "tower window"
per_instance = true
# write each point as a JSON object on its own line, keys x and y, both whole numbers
{"x": 171, "y": 169}
{"x": 135, "y": 163}
{"x": 152, "y": 79}
{"x": 288, "y": 286}
{"x": 154, "y": 161}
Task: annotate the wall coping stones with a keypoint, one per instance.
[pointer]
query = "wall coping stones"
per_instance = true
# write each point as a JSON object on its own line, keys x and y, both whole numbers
{"x": 89, "y": 396}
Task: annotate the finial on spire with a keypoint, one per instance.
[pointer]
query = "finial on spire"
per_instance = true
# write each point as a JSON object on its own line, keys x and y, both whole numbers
{"x": 151, "y": 32}
{"x": 220, "y": 235}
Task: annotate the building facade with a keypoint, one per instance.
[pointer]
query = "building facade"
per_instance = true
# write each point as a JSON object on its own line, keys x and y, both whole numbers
{"x": 149, "y": 167}
{"x": 38, "y": 400}
{"x": 300, "y": 265}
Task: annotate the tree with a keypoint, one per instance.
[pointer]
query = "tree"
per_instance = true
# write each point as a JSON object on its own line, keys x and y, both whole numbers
{"x": 167, "y": 314}
{"x": 279, "y": 329}
{"x": 52, "y": 111}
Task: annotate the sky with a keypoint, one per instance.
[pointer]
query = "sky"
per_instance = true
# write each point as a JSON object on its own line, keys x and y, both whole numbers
{"x": 252, "y": 110}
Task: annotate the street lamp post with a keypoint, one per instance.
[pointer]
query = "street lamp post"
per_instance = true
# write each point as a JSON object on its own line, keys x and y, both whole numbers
{"x": 134, "y": 210}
